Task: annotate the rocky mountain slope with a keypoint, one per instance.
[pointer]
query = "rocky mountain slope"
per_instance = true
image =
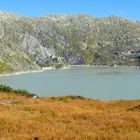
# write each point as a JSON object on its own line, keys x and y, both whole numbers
{"x": 29, "y": 43}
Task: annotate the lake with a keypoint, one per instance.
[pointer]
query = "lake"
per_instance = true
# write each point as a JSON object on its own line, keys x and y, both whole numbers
{"x": 88, "y": 81}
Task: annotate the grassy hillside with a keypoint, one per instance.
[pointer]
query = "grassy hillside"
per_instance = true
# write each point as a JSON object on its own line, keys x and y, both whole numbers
{"x": 27, "y": 43}
{"x": 68, "y": 118}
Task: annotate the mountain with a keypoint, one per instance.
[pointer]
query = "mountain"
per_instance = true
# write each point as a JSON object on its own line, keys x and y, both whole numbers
{"x": 29, "y": 43}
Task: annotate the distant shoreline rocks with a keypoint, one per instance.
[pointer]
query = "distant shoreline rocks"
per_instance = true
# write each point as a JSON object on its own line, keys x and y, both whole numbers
{"x": 64, "y": 67}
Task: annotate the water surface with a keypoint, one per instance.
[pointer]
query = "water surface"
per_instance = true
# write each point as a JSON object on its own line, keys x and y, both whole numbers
{"x": 94, "y": 82}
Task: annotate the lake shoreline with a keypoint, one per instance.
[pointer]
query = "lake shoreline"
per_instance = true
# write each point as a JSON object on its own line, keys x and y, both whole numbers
{"x": 104, "y": 82}
{"x": 65, "y": 67}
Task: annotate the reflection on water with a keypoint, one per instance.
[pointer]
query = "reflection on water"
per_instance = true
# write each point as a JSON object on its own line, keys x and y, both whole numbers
{"x": 95, "y": 82}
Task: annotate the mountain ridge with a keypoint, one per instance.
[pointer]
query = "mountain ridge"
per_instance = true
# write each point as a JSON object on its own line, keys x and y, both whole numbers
{"x": 30, "y": 43}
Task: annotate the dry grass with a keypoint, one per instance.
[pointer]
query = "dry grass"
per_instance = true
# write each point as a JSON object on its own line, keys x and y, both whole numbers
{"x": 68, "y": 118}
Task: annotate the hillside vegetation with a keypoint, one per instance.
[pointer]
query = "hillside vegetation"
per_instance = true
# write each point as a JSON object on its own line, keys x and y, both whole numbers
{"x": 68, "y": 118}
{"x": 30, "y": 43}
{"x": 8, "y": 89}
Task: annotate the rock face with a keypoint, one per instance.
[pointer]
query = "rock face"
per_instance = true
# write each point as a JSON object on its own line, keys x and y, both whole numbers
{"x": 29, "y": 43}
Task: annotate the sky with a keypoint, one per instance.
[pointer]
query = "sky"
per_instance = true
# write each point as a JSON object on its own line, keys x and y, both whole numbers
{"x": 126, "y": 8}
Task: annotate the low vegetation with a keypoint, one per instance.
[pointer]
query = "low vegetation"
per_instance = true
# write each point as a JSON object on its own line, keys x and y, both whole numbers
{"x": 68, "y": 98}
{"x": 68, "y": 118}
{"x": 5, "y": 67}
{"x": 5, "y": 88}
{"x": 58, "y": 66}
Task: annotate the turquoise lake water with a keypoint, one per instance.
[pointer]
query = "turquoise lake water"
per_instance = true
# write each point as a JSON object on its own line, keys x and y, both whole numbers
{"x": 94, "y": 82}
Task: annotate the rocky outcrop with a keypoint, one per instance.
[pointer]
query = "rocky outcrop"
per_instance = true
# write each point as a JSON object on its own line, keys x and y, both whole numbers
{"x": 28, "y": 43}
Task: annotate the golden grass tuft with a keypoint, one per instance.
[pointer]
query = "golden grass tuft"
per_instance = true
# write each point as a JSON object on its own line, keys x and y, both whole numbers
{"x": 68, "y": 118}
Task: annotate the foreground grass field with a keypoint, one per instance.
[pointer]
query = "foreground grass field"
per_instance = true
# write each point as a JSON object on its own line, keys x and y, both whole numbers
{"x": 68, "y": 118}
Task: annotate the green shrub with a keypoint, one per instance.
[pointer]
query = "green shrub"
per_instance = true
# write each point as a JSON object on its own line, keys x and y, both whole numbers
{"x": 5, "y": 88}
{"x": 21, "y": 91}
{"x": 68, "y": 98}
{"x": 76, "y": 97}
